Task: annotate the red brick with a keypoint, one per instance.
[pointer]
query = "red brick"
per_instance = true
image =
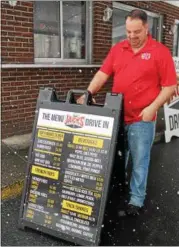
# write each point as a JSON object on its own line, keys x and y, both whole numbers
{"x": 11, "y": 44}
{"x": 13, "y": 12}
{"x": 24, "y": 19}
{"x": 23, "y": 115}
{"x": 21, "y": 29}
{"x": 7, "y": 28}
{"x": 28, "y": 4}
{"x": 7, "y": 17}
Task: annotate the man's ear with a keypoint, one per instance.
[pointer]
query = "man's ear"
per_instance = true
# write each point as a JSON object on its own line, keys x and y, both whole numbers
{"x": 147, "y": 28}
{"x": 178, "y": 77}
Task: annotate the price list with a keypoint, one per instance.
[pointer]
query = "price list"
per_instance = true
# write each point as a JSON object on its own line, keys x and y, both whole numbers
{"x": 67, "y": 178}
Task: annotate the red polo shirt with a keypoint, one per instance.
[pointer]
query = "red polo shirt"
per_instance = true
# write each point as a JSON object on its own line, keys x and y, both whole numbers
{"x": 140, "y": 76}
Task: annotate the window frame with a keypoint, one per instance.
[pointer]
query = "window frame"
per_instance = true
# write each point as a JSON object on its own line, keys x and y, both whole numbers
{"x": 88, "y": 41}
{"x": 176, "y": 52}
{"x": 124, "y": 7}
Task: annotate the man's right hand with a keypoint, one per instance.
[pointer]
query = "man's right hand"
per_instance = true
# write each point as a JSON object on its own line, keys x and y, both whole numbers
{"x": 81, "y": 99}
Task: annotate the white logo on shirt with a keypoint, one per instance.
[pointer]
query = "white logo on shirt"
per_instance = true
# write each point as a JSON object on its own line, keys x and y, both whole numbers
{"x": 146, "y": 56}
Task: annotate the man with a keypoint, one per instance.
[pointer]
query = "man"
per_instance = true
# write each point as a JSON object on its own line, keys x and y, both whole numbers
{"x": 144, "y": 73}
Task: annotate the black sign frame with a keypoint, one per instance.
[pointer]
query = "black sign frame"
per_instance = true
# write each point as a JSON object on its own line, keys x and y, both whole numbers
{"x": 113, "y": 108}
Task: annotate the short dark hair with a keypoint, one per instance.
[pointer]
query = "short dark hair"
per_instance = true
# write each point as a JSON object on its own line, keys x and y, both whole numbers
{"x": 138, "y": 14}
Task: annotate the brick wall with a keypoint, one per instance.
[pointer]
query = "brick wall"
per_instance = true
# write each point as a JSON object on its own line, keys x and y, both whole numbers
{"x": 20, "y": 86}
{"x": 102, "y": 32}
{"x": 17, "y": 33}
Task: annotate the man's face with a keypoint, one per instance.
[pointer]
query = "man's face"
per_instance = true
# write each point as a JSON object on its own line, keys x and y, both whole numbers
{"x": 136, "y": 32}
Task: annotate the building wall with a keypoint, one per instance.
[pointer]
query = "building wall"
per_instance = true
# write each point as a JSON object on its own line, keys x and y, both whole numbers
{"x": 102, "y": 32}
{"x": 20, "y": 86}
{"x": 17, "y": 32}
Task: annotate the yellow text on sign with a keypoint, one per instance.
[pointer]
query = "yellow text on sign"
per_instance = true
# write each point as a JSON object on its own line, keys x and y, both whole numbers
{"x": 77, "y": 207}
{"x": 44, "y": 172}
{"x": 88, "y": 141}
{"x": 51, "y": 135}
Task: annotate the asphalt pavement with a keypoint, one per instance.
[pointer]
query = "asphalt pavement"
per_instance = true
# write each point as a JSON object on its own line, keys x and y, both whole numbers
{"x": 158, "y": 225}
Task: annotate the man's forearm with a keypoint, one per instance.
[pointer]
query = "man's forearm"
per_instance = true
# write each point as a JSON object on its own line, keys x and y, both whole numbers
{"x": 163, "y": 97}
{"x": 97, "y": 82}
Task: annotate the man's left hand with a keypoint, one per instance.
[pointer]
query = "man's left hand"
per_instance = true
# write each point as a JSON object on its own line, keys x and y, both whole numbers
{"x": 148, "y": 113}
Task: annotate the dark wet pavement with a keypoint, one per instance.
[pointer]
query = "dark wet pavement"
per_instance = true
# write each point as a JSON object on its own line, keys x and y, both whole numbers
{"x": 158, "y": 225}
{"x": 13, "y": 165}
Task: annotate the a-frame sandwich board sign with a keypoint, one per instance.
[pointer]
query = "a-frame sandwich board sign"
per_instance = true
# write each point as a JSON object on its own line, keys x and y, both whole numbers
{"x": 69, "y": 166}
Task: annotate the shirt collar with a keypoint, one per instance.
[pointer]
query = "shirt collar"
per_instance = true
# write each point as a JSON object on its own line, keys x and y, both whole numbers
{"x": 149, "y": 44}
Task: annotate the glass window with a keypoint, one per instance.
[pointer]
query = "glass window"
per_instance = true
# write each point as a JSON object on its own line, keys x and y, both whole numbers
{"x": 119, "y": 32}
{"x": 74, "y": 29}
{"x": 60, "y": 30}
{"x": 176, "y": 39}
{"x": 47, "y": 29}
